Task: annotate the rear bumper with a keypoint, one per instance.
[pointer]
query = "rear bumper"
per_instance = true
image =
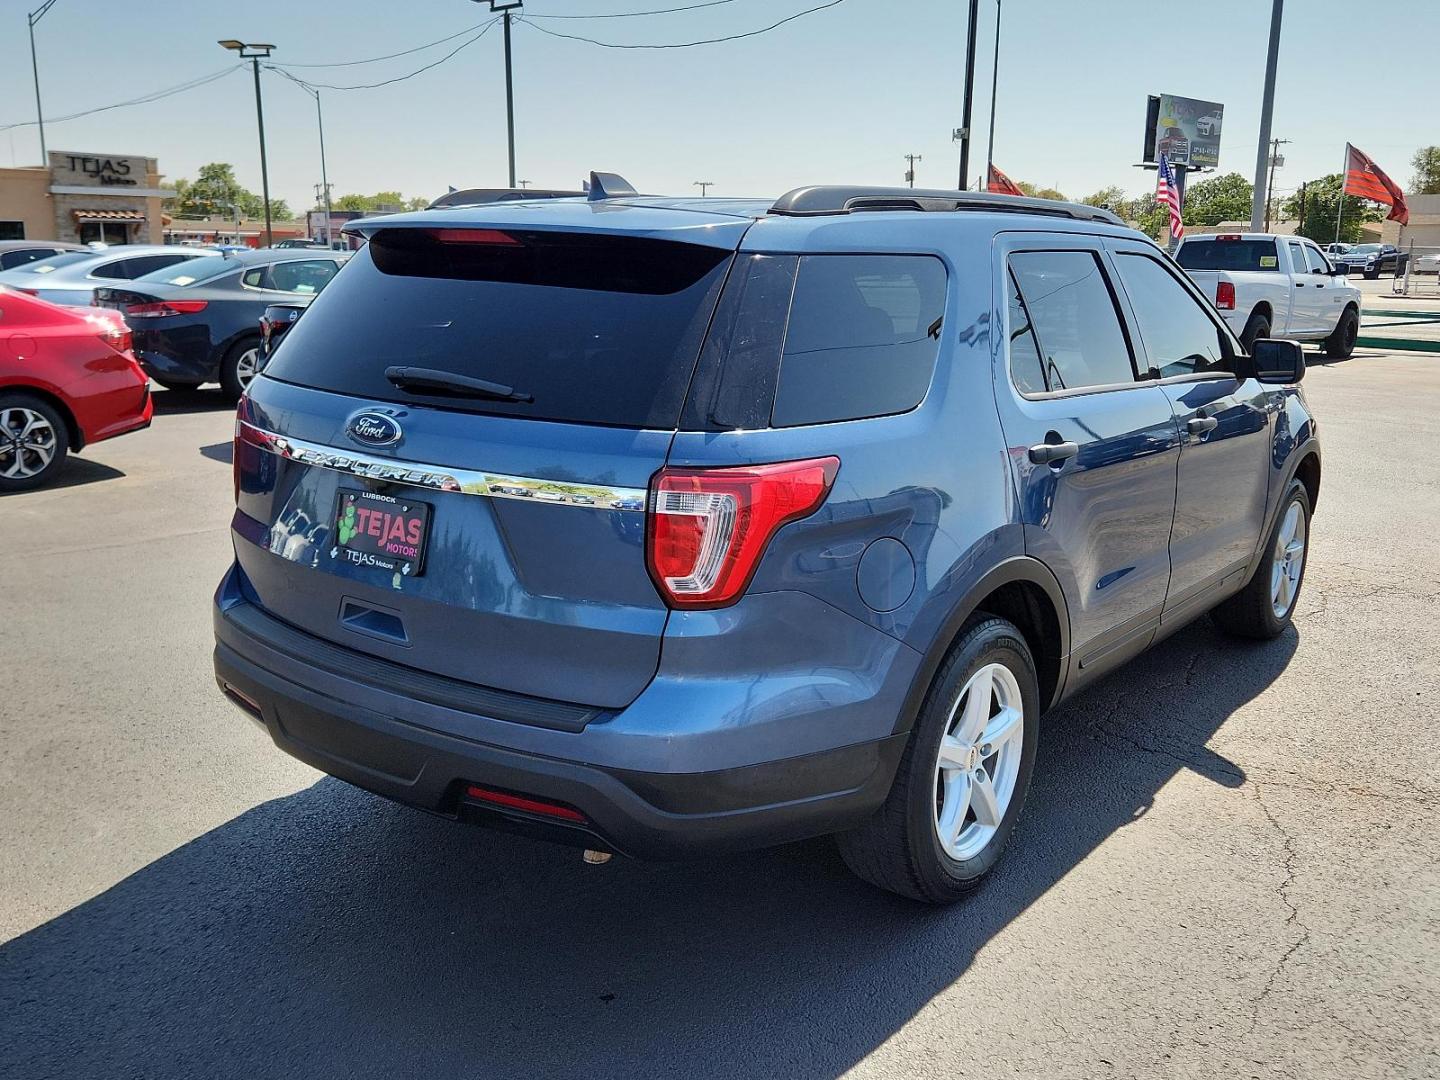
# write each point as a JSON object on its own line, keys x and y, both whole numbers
{"x": 180, "y": 353}
{"x": 380, "y": 741}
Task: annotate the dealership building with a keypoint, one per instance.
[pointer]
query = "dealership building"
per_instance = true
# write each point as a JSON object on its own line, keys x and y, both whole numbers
{"x": 83, "y": 197}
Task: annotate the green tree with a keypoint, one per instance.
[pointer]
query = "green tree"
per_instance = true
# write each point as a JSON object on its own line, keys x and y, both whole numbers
{"x": 1426, "y": 180}
{"x": 1111, "y": 198}
{"x": 418, "y": 202}
{"x": 1322, "y": 200}
{"x": 1221, "y": 198}
{"x": 380, "y": 200}
{"x": 1150, "y": 216}
{"x": 1038, "y": 192}
{"x": 216, "y": 193}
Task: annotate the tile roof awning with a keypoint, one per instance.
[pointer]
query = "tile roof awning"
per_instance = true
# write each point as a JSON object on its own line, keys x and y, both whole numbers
{"x": 108, "y": 215}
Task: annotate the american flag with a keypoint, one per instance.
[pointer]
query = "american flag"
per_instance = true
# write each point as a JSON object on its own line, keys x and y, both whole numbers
{"x": 1167, "y": 193}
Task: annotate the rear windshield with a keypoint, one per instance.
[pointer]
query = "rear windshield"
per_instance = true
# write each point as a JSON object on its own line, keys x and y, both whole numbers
{"x": 596, "y": 329}
{"x": 191, "y": 271}
{"x": 44, "y": 266}
{"x": 1229, "y": 255}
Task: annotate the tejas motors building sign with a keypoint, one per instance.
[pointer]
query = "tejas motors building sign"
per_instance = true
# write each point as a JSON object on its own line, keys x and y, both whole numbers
{"x": 95, "y": 170}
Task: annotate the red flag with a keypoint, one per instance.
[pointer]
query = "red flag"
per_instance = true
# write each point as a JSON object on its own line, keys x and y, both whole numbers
{"x": 1366, "y": 179}
{"x": 998, "y": 182}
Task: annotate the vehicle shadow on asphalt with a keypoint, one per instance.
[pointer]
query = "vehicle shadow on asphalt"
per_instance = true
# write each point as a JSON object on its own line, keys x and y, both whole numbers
{"x": 75, "y": 472}
{"x": 329, "y": 933}
{"x": 221, "y": 451}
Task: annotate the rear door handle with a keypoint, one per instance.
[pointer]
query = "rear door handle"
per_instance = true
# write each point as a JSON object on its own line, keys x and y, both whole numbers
{"x": 1053, "y": 453}
{"x": 1199, "y": 425}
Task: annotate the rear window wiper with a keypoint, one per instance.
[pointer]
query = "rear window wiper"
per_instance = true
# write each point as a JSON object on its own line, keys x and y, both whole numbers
{"x": 431, "y": 380}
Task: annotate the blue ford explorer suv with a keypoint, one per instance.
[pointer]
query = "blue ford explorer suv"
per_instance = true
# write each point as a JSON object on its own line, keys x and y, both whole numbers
{"x": 668, "y": 526}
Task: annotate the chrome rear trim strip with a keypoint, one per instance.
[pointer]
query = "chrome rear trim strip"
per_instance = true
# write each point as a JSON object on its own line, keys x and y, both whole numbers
{"x": 443, "y": 477}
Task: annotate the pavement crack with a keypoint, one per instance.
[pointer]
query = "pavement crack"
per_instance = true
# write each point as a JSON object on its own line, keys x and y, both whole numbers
{"x": 1292, "y": 917}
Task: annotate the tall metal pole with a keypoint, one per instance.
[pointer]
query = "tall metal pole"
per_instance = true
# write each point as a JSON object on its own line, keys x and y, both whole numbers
{"x": 1340, "y": 204}
{"x": 32, "y": 18}
{"x": 994, "y": 86}
{"x": 324, "y": 176}
{"x": 1267, "y": 107}
{"x": 509, "y": 101}
{"x": 969, "y": 94}
{"x": 264, "y": 164}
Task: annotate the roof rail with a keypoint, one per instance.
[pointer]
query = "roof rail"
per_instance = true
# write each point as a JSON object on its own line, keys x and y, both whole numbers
{"x": 844, "y": 199}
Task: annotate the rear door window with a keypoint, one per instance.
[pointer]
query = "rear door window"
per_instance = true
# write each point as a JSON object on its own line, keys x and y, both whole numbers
{"x": 862, "y": 337}
{"x": 1076, "y": 324}
{"x": 596, "y": 329}
{"x": 305, "y": 277}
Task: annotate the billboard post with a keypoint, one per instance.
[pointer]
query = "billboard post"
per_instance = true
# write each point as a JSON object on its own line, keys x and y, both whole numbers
{"x": 1267, "y": 106}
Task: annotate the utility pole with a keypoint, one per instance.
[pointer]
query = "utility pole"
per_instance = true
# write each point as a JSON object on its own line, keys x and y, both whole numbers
{"x": 506, "y": 8}
{"x": 524, "y": 183}
{"x": 33, "y": 18}
{"x": 1267, "y": 108}
{"x": 1275, "y": 159}
{"x": 322, "y": 196}
{"x": 1300, "y": 228}
{"x": 910, "y": 160}
{"x": 994, "y": 86}
{"x": 969, "y": 95}
{"x": 704, "y": 186}
{"x": 255, "y": 53}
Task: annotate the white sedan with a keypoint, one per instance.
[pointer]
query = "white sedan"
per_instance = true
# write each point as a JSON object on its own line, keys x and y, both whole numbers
{"x": 1428, "y": 264}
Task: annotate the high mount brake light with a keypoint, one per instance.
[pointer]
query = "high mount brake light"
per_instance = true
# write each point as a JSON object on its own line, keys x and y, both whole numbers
{"x": 493, "y": 237}
{"x": 1225, "y": 296}
{"x": 707, "y": 529}
{"x": 164, "y": 307}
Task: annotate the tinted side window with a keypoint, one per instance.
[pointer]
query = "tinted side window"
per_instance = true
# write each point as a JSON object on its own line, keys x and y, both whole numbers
{"x": 862, "y": 338}
{"x": 1026, "y": 369}
{"x": 1179, "y": 336}
{"x": 1297, "y": 258}
{"x": 307, "y": 277}
{"x": 256, "y": 278}
{"x": 1073, "y": 313}
{"x": 146, "y": 264}
{"x": 115, "y": 270}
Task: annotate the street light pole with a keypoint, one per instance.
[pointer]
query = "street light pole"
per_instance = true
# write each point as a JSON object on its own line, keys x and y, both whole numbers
{"x": 969, "y": 95}
{"x": 33, "y": 18}
{"x": 505, "y": 9}
{"x": 1267, "y": 107}
{"x": 704, "y": 186}
{"x": 255, "y": 53}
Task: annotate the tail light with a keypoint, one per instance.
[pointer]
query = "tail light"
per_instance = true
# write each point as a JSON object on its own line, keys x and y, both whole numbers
{"x": 118, "y": 338}
{"x": 1225, "y": 296}
{"x": 492, "y": 237}
{"x": 707, "y": 528}
{"x": 164, "y": 307}
{"x": 543, "y": 807}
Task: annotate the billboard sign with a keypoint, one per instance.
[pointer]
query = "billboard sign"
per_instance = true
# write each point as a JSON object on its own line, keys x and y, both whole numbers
{"x": 1185, "y": 129}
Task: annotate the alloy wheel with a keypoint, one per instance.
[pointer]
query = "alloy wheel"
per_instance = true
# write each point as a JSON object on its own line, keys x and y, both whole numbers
{"x": 27, "y": 443}
{"x": 247, "y": 366}
{"x": 979, "y": 761}
{"x": 1288, "y": 563}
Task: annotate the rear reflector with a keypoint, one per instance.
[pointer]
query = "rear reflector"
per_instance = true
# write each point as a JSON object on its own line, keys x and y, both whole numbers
{"x": 520, "y": 802}
{"x": 164, "y": 307}
{"x": 707, "y": 528}
{"x": 1225, "y": 296}
{"x": 473, "y": 236}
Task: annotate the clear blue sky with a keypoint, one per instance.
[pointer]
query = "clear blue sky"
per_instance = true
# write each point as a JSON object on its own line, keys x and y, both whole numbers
{"x": 838, "y": 96}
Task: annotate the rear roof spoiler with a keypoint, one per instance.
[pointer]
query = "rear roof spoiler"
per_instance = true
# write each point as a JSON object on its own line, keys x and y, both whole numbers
{"x": 821, "y": 200}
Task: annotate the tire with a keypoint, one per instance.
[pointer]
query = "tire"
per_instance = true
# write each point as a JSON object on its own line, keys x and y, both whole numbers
{"x": 34, "y": 440}
{"x": 1257, "y": 327}
{"x": 1372, "y": 275}
{"x": 1341, "y": 342}
{"x": 899, "y": 848}
{"x": 175, "y": 384}
{"x": 1252, "y": 612}
{"x": 238, "y": 367}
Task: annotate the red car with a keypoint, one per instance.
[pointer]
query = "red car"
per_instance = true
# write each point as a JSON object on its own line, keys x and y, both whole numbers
{"x": 67, "y": 379}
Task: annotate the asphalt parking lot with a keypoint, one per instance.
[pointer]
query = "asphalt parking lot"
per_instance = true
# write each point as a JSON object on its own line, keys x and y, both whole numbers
{"x": 1227, "y": 867}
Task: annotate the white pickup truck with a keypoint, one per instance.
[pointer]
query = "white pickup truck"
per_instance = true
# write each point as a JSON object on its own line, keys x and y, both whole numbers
{"x": 1275, "y": 286}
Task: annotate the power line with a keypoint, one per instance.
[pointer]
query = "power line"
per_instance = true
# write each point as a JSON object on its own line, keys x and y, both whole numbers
{"x": 392, "y": 56}
{"x": 398, "y": 78}
{"x": 157, "y": 95}
{"x": 632, "y": 14}
{"x": 682, "y": 44}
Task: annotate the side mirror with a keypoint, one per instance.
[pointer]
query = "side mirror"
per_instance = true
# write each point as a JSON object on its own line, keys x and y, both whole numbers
{"x": 1278, "y": 361}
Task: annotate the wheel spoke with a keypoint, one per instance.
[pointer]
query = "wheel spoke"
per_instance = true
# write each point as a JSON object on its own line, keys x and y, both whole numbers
{"x": 976, "y": 709}
{"x": 953, "y": 753}
{"x": 956, "y": 800}
{"x": 983, "y": 801}
{"x": 1003, "y": 726}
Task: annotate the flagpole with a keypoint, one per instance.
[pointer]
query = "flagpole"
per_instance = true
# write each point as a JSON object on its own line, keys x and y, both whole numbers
{"x": 1340, "y": 206}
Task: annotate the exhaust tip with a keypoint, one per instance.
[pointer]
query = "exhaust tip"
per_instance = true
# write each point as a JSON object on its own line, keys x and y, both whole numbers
{"x": 596, "y": 858}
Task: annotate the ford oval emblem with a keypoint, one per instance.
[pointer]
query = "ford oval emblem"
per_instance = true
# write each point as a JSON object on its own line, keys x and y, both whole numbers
{"x": 373, "y": 429}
